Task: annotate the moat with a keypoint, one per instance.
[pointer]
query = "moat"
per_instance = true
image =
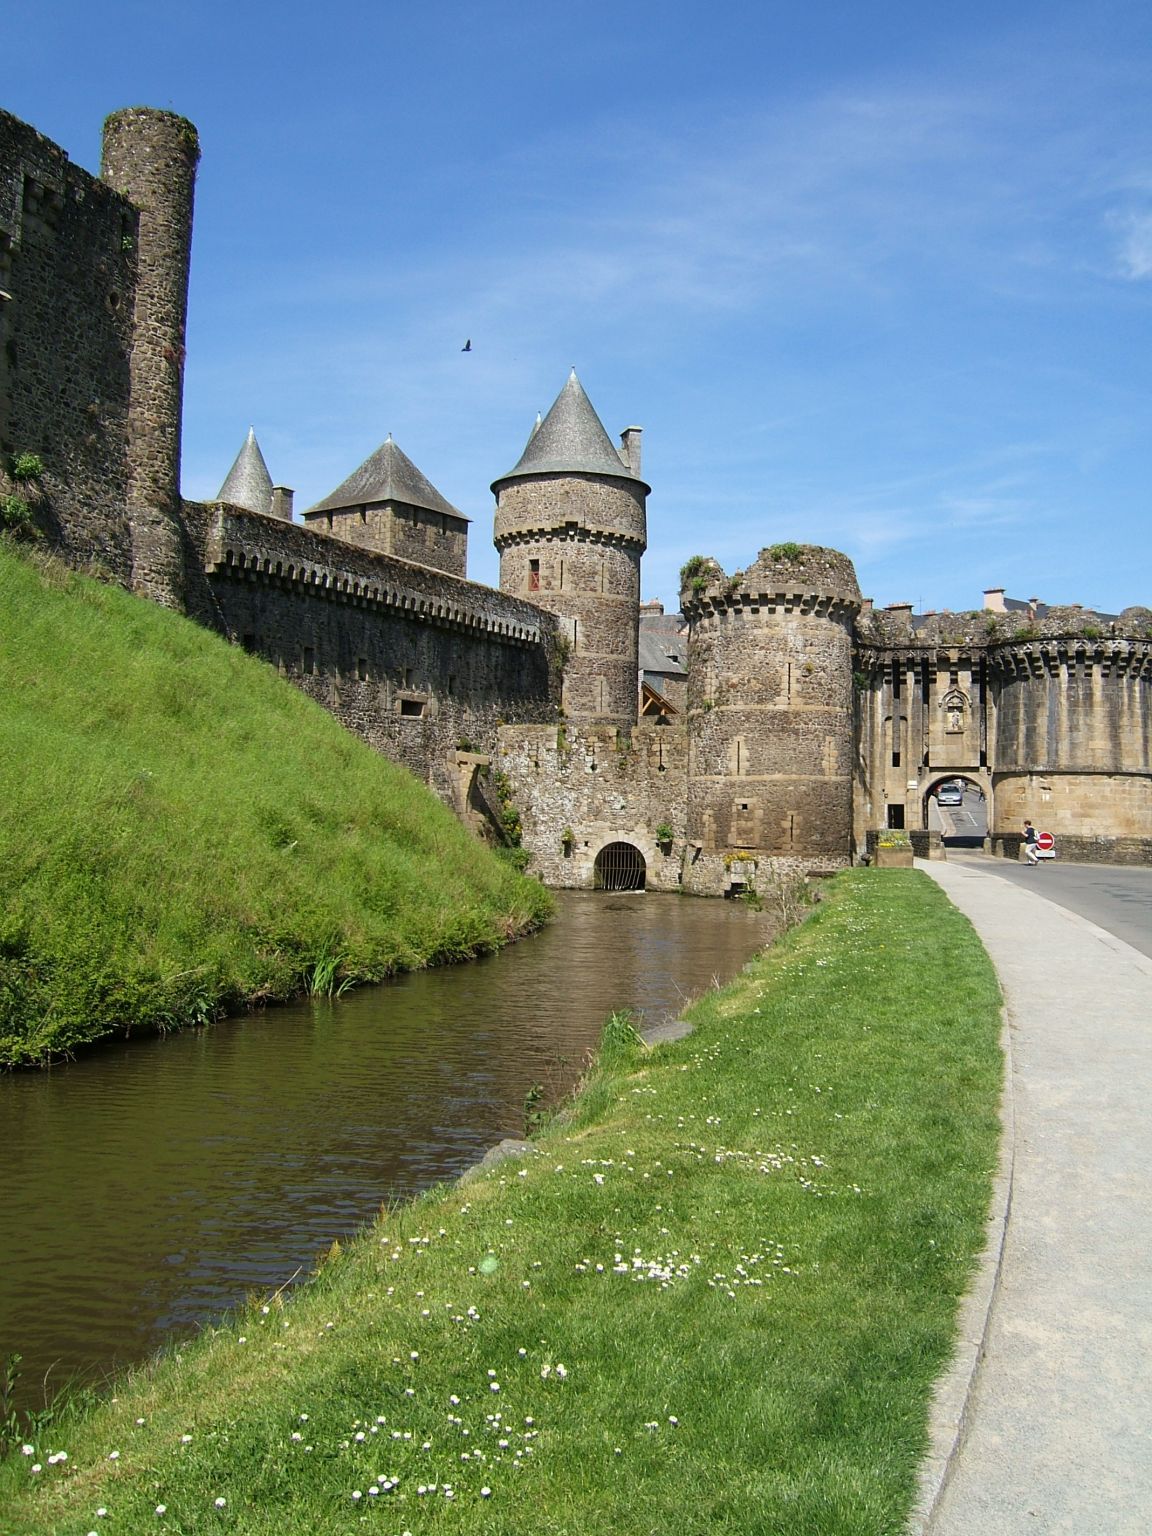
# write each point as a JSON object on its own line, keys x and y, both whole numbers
{"x": 155, "y": 1183}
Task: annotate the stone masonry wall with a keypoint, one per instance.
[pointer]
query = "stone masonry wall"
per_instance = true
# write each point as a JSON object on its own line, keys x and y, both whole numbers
{"x": 418, "y": 663}
{"x": 68, "y": 258}
{"x": 770, "y": 708}
{"x": 585, "y": 534}
{"x": 434, "y": 539}
{"x": 602, "y": 784}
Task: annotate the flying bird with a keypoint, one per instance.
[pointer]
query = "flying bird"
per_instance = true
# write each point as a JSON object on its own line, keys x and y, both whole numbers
{"x": 467, "y": 347}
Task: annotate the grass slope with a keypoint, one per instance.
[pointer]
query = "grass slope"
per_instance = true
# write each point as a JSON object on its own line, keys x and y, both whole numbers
{"x": 715, "y": 1301}
{"x": 182, "y": 832}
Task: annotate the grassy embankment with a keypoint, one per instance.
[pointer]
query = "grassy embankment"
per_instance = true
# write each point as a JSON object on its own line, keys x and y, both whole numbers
{"x": 715, "y": 1301}
{"x": 182, "y": 832}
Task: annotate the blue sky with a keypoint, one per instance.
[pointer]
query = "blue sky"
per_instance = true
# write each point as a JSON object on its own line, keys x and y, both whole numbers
{"x": 871, "y": 275}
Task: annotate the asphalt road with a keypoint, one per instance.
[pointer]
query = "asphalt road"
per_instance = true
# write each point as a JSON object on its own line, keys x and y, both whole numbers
{"x": 1117, "y": 898}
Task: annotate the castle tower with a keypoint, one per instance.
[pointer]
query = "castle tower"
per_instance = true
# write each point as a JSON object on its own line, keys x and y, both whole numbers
{"x": 387, "y": 505}
{"x": 571, "y": 528}
{"x": 150, "y": 157}
{"x": 770, "y": 709}
{"x": 1072, "y": 732}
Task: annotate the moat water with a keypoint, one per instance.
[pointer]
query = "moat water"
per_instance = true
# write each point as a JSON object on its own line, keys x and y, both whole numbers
{"x": 153, "y": 1184}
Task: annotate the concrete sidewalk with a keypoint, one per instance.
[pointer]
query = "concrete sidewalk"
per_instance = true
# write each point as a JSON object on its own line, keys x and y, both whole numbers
{"x": 1053, "y": 1431}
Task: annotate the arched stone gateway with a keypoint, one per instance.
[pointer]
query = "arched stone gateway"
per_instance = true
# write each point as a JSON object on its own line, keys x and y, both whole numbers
{"x": 620, "y": 867}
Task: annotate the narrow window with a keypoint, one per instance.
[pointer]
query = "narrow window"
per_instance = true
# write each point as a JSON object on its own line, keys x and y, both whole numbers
{"x": 362, "y": 668}
{"x": 896, "y": 817}
{"x": 411, "y": 707}
{"x": 533, "y": 575}
{"x": 309, "y": 663}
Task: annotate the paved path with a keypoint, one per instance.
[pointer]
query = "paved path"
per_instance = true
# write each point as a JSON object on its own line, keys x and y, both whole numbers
{"x": 1058, "y": 1428}
{"x": 1118, "y": 897}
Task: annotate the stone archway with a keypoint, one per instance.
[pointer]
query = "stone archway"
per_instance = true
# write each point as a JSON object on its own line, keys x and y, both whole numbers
{"x": 965, "y": 824}
{"x": 619, "y": 867}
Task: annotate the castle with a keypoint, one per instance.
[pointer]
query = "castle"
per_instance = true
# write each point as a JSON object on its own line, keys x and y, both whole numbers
{"x": 781, "y": 723}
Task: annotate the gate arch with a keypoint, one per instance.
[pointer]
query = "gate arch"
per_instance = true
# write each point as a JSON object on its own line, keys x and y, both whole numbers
{"x": 619, "y": 867}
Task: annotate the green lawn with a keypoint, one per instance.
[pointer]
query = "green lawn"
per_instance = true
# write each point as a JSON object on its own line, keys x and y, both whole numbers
{"x": 182, "y": 832}
{"x": 715, "y": 1299}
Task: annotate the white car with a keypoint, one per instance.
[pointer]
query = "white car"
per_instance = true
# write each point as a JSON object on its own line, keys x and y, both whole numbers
{"x": 950, "y": 794}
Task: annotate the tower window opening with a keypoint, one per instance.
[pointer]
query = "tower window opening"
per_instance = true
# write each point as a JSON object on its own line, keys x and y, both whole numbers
{"x": 362, "y": 668}
{"x": 533, "y": 575}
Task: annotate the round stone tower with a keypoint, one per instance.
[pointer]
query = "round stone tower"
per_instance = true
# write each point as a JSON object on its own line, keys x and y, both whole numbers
{"x": 570, "y": 528}
{"x": 1073, "y": 734}
{"x": 769, "y": 712}
{"x": 150, "y": 157}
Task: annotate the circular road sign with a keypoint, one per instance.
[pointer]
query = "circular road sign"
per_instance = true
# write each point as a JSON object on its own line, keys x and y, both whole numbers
{"x": 1045, "y": 841}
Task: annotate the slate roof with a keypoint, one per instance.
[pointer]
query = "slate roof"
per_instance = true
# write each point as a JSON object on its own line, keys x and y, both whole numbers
{"x": 570, "y": 440}
{"x": 387, "y": 475}
{"x": 248, "y": 483}
{"x": 664, "y": 654}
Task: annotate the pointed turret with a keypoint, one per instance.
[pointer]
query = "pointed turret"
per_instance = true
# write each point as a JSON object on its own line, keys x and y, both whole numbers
{"x": 570, "y": 528}
{"x": 570, "y": 440}
{"x": 388, "y": 505}
{"x": 248, "y": 483}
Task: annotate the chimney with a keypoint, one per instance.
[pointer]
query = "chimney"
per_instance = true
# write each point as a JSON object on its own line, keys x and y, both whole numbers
{"x": 994, "y": 600}
{"x": 899, "y": 610}
{"x": 630, "y": 448}
{"x": 866, "y": 605}
{"x": 282, "y": 502}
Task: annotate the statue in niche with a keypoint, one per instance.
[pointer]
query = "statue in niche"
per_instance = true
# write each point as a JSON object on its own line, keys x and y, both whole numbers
{"x": 954, "y": 704}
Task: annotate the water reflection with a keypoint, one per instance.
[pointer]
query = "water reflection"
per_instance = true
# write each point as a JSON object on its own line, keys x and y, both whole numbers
{"x": 153, "y": 1184}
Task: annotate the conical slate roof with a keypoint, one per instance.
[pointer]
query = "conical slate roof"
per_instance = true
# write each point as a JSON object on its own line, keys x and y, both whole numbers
{"x": 388, "y": 475}
{"x": 248, "y": 483}
{"x": 570, "y": 440}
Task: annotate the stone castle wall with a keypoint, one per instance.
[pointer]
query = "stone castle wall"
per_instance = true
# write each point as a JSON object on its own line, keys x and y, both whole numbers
{"x": 604, "y": 785}
{"x": 418, "y": 663}
{"x": 69, "y": 260}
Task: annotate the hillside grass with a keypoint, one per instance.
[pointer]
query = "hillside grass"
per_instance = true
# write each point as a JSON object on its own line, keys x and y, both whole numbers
{"x": 715, "y": 1299}
{"x": 183, "y": 833}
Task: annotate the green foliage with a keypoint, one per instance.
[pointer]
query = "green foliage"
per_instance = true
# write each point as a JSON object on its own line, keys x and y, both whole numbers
{"x": 1091, "y": 632}
{"x": 665, "y": 832}
{"x": 16, "y": 515}
{"x": 804, "y": 1181}
{"x": 166, "y": 856}
{"x": 786, "y": 551}
{"x": 693, "y": 568}
{"x": 567, "y": 838}
{"x": 1026, "y": 632}
{"x": 699, "y": 584}
{"x": 26, "y": 466}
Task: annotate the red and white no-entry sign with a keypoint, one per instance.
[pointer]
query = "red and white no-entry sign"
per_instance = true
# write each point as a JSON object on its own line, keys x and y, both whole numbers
{"x": 1045, "y": 842}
